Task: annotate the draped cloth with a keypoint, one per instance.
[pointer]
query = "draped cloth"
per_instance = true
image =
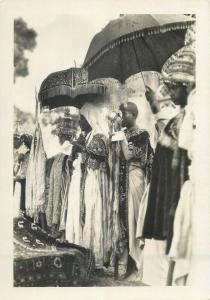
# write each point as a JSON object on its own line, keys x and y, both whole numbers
{"x": 20, "y": 170}
{"x": 73, "y": 224}
{"x": 35, "y": 176}
{"x": 154, "y": 257}
{"x": 95, "y": 194}
{"x": 115, "y": 181}
{"x": 156, "y": 263}
{"x": 96, "y": 200}
{"x": 138, "y": 169}
{"x": 142, "y": 212}
{"x": 16, "y": 199}
{"x": 181, "y": 248}
{"x": 96, "y": 115}
{"x": 96, "y": 218}
{"x": 65, "y": 184}
{"x": 135, "y": 192}
{"x": 58, "y": 178}
{"x": 50, "y": 141}
{"x": 166, "y": 184}
{"x": 53, "y": 209}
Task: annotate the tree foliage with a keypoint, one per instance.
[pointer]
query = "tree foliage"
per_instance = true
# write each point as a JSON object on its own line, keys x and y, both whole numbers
{"x": 23, "y": 121}
{"x": 24, "y": 39}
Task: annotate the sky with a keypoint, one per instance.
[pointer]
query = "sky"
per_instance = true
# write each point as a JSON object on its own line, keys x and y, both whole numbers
{"x": 62, "y": 40}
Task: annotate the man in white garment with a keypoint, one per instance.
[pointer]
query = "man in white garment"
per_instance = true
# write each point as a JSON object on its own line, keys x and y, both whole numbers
{"x": 137, "y": 152}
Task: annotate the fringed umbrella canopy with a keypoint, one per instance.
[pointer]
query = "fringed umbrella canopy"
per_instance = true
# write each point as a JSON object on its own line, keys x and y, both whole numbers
{"x": 69, "y": 88}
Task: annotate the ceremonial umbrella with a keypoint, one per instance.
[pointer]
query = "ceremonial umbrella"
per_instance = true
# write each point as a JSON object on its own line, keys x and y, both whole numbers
{"x": 69, "y": 88}
{"x": 135, "y": 43}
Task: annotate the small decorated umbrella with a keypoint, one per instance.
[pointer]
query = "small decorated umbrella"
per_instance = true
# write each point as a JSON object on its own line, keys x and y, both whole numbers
{"x": 68, "y": 88}
{"x": 135, "y": 43}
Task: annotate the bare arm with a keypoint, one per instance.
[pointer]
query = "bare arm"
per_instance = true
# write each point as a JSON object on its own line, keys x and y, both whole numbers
{"x": 151, "y": 98}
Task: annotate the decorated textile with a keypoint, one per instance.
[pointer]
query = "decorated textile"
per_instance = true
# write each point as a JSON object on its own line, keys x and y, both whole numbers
{"x": 66, "y": 79}
{"x": 133, "y": 178}
{"x": 58, "y": 179}
{"x": 49, "y": 163}
{"x": 96, "y": 199}
{"x": 169, "y": 136}
{"x": 123, "y": 204}
{"x": 40, "y": 260}
{"x": 117, "y": 231}
{"x": 53, "y": 209}
{"x": 67, "y": 125}
{"x": 141, "y": 150}
{"x": 97, "y": 152}
{"x": 35, "y": 177}
{"x": 190, "y": 36}
{"x": 180, "y": 67}
{"x": 69, "y": 88}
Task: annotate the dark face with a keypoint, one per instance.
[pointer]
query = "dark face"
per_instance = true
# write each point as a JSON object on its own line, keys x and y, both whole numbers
{"x": 16, "y": 142}
{"x": 85, "y": 126}
{"x": 128, "y": 119}
{"x": 62, "y": 138}
{"x": 178, "y": 93}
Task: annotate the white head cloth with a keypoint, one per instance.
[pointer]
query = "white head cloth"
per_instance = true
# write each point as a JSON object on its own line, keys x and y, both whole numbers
{"x": 96, "y": 112}
{"x": 96, "y": 115}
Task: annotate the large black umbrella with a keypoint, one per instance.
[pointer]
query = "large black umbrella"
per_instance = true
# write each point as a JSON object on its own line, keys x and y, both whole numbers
{"x": 135, "y": 43}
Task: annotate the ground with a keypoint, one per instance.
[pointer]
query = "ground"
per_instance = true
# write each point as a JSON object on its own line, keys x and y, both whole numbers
{"x": 102, "y": 279}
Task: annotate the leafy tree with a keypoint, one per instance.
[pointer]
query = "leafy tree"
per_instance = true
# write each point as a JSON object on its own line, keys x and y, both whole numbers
{"x": 24, "y": 39}
{"x": 23, "y": 121}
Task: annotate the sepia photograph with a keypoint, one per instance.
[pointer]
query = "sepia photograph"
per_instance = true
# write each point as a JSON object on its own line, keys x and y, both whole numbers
{"x": 103, "y": 169}
{"x": 104, "y": 135}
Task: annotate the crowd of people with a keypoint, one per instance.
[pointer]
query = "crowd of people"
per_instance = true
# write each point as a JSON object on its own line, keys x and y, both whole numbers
{"x": 95, "y": 178}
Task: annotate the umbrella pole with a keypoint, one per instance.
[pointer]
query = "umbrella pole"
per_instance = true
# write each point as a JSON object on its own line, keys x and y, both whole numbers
{"x": 169, "y": 281}
{"x": 37, "y": 106}
{"x": 139, "y": 64}
{"x": 116, "y": 267}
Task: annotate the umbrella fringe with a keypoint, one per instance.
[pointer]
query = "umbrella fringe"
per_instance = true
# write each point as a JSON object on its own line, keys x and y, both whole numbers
{"x": 66, "y": 90}
{"x": 131, "y": 36}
